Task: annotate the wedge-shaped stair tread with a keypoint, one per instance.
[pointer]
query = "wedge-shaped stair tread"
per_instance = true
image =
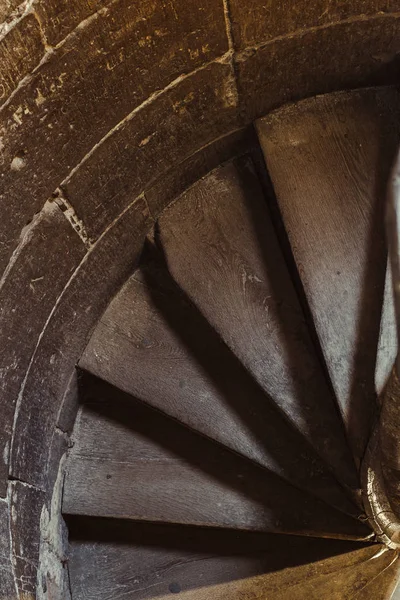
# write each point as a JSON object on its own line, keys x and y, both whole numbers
{"x": 221, "y": 248}
{"x": 132, "y": 462}
{"x": 382, "y": 586}
{"x": 154, "y": 345}
{"x": 110, "y": 560}
{"x": 329, "y": 159}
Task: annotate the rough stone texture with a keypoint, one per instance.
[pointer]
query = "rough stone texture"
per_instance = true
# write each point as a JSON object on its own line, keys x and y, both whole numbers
{"x": 48, "y": 252}
{"x": 314, "y": 62}
{"x": 25, "y": 506}
{"x": 106, "y": 267}
{"x": 255, "y": 22}
{"x": 20, "y": 51}
{"x": 112, "y": 73}
{"x": 52, "y": 579}
{"x": 60, "y": 17}
{"x": 69, "y": 405}
{"x": 200, "y": 106}
{"x": 101, "y": 70}
{"x": 7, "y": 7}
{"x": 7, "y": 585}
{"x": 178, "y": 179}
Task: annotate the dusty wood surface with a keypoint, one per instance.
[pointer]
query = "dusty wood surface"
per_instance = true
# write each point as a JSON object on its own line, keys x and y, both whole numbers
{"x": 172, "y": 357}
{"x": 131, "y": 461}
{"x": 221, "y": 248}
{"x": 62, "y": 103}
{"x": 143, "y": 562}
{"x": 329, "y": 159}
{"x": 174, "y": 361}
{"x": 384, "y": 585}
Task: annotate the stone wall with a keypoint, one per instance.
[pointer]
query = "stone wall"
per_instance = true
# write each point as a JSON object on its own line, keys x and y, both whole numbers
{"x": 109, "y": 109}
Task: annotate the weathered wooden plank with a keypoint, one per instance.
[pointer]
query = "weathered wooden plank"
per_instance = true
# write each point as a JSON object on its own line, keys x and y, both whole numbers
{"x": 255, "y": 23}
{"x": 131, "y": 462}
{"x": 28, "y": 293}
{"x": 396, "y": 593}
{"x": 105, "y": 268}
{"x": 221, "y": 248}
{"x": 143, "y": 562}
{"x": 382, "y": 586}
{"x": 329, "y": 159}
{"x": 153, "y": 345}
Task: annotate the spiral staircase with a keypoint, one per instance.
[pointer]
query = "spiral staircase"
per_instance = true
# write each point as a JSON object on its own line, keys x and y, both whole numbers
{"x": 230, "y": 395}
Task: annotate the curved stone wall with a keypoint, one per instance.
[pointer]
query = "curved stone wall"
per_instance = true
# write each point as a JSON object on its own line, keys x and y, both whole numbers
{"x": 108, "y": 110}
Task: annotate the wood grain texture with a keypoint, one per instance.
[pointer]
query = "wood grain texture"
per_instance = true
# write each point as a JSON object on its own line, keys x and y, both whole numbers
{"x": 382, "y": 586}
{"x": 221, "y": 248}
{"x": 144, "y": 562}
{"x": 153, "y": 344}
{"x": 329, "y": 159}
{"x": 131, "y": 462}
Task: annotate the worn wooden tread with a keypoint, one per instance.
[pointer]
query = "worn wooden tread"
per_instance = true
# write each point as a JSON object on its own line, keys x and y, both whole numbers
{"x": 140, "y": 562}
{"x": 329, "y": 159}
{"x": 152, "y": 344}
{"x": 132, "y": 462}
{"x": 221, "y": 248}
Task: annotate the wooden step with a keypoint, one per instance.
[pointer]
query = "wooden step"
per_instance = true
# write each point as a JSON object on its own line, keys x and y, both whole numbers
{"x": 221, "y": 248}
{"x": 140, "y": 562}
{"x": 329, "y": 158}
{"x": 153, "y": 344}
{"x": 132, "y": 462}
{"x": 382, "y": 586}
